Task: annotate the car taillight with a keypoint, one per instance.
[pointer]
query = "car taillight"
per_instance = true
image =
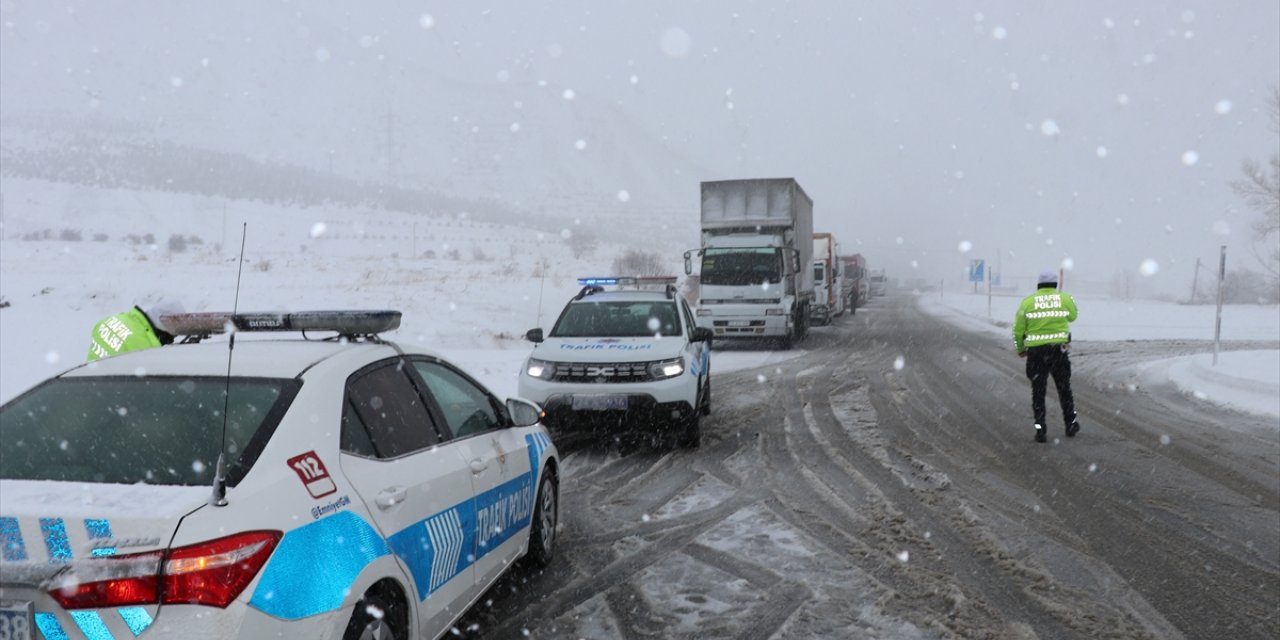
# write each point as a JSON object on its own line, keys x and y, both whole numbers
{"x": 210, "y": 573}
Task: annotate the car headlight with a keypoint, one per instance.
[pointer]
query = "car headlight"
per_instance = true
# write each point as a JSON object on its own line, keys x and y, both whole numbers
{"x": 540, "y": 369}
{"x": 664, "y": 369}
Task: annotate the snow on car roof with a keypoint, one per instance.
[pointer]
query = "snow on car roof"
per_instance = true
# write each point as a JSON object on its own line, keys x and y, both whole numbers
{"x": 252, "y": 357}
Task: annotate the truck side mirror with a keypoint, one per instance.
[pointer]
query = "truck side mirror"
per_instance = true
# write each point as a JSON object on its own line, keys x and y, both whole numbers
{"x": 688, "y": 263}
{"x": 533, "y": 335}
{"x": 795, "y": 261}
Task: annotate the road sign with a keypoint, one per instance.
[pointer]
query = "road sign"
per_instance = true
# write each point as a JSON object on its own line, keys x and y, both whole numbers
{"x": 977, "y": 270}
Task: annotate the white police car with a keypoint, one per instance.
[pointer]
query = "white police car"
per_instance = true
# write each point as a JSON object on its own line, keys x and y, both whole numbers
{"x": 635, "y": 354}
{"x": 370, "y": 489}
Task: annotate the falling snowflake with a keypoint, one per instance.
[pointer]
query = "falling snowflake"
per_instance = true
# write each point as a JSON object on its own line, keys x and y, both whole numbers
{"x": 318, "y": 229}
{"x": 1101, "y": 151}
{"x": 899, "y": 363}
{"x": 1093, "y": 467}
{"x": 198, "y": 466}
{"x": 322, "y": 55}
{"x": 426, "y": 21}
{"x": 675, "y": 42}
{"x": 515, "y": 126}
{"x": 52, "y": 357}
{"x": 760, "y": 378}
{"x": 1049, "y": 128}
{"x": 1223, "y": 107}
{"x": 580, "y": 144}
{"x": 623, "y": 196}
{"x": 1222, "y": 228}
{"x": 903, "y": 556}
{"x": 568, "y": 94}
{"x": 635, "y": 79}
{"x": 1190, "y": 158}
{"x": 1165, "y": 439}
{"x": 176, "y": 81}
{"x": 965, "y": 246}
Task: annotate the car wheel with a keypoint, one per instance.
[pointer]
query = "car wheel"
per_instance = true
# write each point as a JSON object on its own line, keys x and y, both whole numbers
{"x": 542, "y": 532}
{"x": 705, "y": 407}
{"x": 689, "y": 431}
{"x": 377, "y": 618}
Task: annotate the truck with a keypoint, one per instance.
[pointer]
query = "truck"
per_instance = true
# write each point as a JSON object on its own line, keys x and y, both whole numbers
{"x": 878, "y": 281}
{"x": 828, "y": 303}
{"x": 855, "y": 288}
{"x": 755, "y": 258}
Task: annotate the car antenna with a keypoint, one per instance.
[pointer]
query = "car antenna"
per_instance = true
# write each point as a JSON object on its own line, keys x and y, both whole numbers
{"x": 219, "y": 497}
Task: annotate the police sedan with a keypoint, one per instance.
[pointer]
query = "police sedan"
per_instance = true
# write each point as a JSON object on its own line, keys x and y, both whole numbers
{"x": 284, "y": 488}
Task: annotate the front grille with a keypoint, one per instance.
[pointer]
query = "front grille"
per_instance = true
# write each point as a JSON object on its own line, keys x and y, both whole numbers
{"x": 729, "y": 323}
{"x": 602, "y": 372}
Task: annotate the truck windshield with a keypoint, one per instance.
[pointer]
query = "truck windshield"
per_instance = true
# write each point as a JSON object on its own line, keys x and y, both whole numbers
{"x": 741, "y": 266}
{"x": 154, "y": 430}
{"x": 621, "y": 319}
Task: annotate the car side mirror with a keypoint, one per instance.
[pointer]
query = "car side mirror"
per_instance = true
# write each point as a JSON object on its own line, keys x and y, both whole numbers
{"x": 703, "y": 334}
{"x": 523, "y": 413}
{"x": 533, "y": 335}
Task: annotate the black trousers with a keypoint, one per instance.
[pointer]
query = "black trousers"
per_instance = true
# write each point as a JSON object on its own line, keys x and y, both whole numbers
{"x": 1042, "y": 362}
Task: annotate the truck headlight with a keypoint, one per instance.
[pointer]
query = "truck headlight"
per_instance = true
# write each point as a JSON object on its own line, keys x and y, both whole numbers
{"x": 664, "y": 369}
{"x": 703, "y": 312}
{"x": 775, "y": 312}
{"x": 540, "y": 369}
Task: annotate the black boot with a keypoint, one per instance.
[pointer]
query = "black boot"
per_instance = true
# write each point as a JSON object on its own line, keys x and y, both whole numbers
{"x": 1073, "y": 427}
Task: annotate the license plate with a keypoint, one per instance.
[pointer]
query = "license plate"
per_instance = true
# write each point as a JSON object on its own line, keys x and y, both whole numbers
{"x": 15, "y": 621}
{"x": 599, "y": 403}
{"x": 739, "y": 323}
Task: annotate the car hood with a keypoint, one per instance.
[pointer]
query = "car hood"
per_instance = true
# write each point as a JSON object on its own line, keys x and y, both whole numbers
{"x": 46, "y": 526}
{"x": 608, "y": 349}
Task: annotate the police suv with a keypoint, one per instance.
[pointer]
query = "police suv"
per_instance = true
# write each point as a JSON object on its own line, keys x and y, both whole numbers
{"x": 633, "y": 353}
{"x": 348, "y": 487}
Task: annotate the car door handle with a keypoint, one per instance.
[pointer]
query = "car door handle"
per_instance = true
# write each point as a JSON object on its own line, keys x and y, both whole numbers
{"x": 478, "y": 466}
{"x": 391, "y": 497}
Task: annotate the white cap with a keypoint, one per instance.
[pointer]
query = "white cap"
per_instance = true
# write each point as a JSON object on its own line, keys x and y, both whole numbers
{"x": 1047, "y": 277}
{"x": 164, "y": 307}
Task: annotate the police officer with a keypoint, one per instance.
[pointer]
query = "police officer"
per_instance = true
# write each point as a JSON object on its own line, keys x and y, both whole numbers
{"x": 1041, "y": 335}
{"x": 132, "y": 330}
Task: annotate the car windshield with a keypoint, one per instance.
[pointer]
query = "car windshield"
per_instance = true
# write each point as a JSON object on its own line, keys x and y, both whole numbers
{"x": 614, "y": 319}
{"x": 741, "y": 266}
{"x": 154, "y": 430}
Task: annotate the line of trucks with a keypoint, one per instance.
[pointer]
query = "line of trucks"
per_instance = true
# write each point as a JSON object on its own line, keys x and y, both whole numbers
{"x": 763, "y": 272}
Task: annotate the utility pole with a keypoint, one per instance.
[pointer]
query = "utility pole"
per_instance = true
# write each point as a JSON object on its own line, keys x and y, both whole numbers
{"x": 1195, "y": 280}
{"x": 1217, "y": 326}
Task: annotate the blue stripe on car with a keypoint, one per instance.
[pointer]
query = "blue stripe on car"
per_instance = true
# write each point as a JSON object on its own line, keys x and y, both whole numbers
{"x": 14, "y": 549}
{"x": 99, "y": 530}
{"x": 91, "y": 625}
{"x": 136, "y": 618}
{"x": 313, "y": 568}
{"x": 50, "y": 628}
{"x": 54, "y": 531}
{"x": 435, "y": 549}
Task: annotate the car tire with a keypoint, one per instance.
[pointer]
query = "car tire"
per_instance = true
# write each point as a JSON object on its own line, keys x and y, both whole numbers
{"x": 542, "y": 531}
{"x": 705, "y": 406}
{"x": 377, "y": 618}
{"x": 689, "y": 431}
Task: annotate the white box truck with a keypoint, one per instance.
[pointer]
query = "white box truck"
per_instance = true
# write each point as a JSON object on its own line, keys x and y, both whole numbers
{"x": 756, "y": 275}
{"x": 828, "y": 303}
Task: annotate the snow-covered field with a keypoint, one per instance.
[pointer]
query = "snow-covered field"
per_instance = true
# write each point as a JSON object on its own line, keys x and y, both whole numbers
{"x": 1247, "y": 380}
{"x": 467, "y": 289}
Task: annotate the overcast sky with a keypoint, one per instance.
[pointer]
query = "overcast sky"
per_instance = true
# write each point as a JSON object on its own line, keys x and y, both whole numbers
{"x": 1097, "y": 131}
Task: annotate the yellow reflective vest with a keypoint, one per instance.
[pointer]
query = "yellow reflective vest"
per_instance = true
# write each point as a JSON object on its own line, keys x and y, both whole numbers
{"x": 1043, "y": 318}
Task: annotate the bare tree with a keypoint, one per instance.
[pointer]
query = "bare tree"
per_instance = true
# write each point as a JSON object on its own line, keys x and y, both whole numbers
{"x": 1260, "y": 190}
{"x": 639, "y": 263}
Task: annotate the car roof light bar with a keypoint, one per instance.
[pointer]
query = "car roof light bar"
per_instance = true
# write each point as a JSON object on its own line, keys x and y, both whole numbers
{"x": 349, "y": 323}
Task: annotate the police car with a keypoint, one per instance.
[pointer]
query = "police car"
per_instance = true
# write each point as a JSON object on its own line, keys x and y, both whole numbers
{"x": 347, "y": 488}
{"x": 633, "y": 353}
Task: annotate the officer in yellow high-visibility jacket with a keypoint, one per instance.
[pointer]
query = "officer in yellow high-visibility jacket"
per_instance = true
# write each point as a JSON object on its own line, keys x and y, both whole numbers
{"x": 132, "y": 330}
{"x": 1041, "y": 332}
